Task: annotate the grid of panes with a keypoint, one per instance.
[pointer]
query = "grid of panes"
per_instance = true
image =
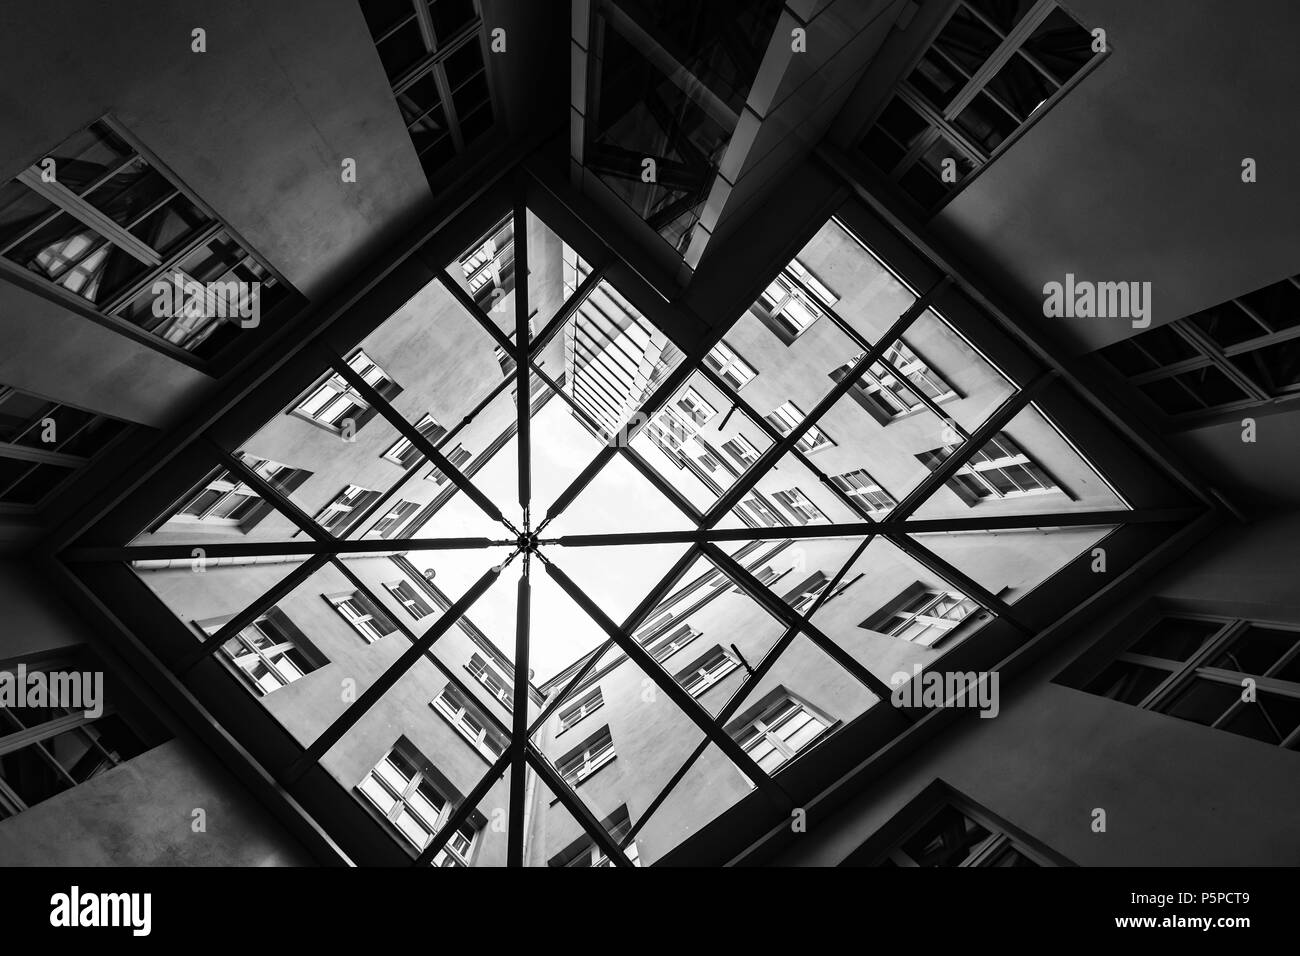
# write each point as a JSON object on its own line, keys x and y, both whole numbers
{"x": 99, "y": 221}
{"x": 45, "y": 751}
{"x": 1000, "y": 469}
{"x": 992, "y": 68}
{"x": 268, "y": 653}
{"x": 1230, "y": 674}
{"x": 926, "y": 617}
{"x": 780, "y": 732}
{"x": 403, "y": 791}
{"x": 433, "y": 54}
{"x": 42, "y": 443}
{"x": 1232, "y": 355}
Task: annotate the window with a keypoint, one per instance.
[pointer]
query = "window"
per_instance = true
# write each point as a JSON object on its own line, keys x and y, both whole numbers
{"x": 405, "y": 453}
{"x": 588, "y": 757}
{"x": 733, "y": 369}
{"x": 47, "y": 750}
{"x": 803, "y": 595}
{"x": 664, "y": 645}
{"x": 470, "y": 723}
{"x": 797, "y": 503}
{"x": 742, "y": 450}
{"x": 334, "y": 404}
{"x": 1198, "y": 669}
{"x": 42, "y": 443}
{"x": 489, "y": 269}
{"x": 863, "y": 488}
{"x": 415, "y": 603}
{"x": 694, "y": 408}
{"x": 992, "y": 69}
{"x": 346, "y": 509}
{"x": 432, "y": 53}
{"x": 998, "y": 470}
{"x": 922, "y": 615}
{"x": 366, "y": 617}
{"x": 108, "y": 225}
{"x": 955, "y": 836}
{"x": 1234, "y": 354}
{"x": 780, "y": 730}
{"x": 402, "y": 788}
{"x": 757, "y": 512}
{"x": 269, "y": 653}
{"x": 491, "y": 678}
{"x": 889, "y": 391}
{"x": 787, "y": 417}
{"x": 707, "y": 671}
{"x": 588, "y": 705}
{"x": 392, "y": 522}
{"x": 224, "y": 499}
{"x": 786, "y": 308}
{"x": 457, "y": 456}
{"x": 585, "y": 852}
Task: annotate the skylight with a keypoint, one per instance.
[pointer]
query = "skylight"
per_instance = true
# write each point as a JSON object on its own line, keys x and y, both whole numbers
{"x": 739, "y": 562}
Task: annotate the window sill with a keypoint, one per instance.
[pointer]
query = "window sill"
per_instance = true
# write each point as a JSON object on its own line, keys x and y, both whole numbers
{"x": 574, "y": 786}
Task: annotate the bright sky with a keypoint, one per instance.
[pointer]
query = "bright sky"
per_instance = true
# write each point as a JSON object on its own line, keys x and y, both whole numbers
{"x": 616, "y": 578}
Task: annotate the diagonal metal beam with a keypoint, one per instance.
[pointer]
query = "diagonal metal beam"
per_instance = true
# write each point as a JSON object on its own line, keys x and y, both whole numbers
{"x": 789, "y": 616}
{"x": 385, "y": 682}
{"x": 460, "y": 813}
{"x": 519, "y": 714}
{"x": 419, "y": 440}
{"x": 252, "y": 549}
{"x": 913, "y": 526}
{"x": 470, "y": 306}
{"x": 566, "y": 311}
{"x": 523, "y": 394}
{"x": 579, "y": 810}
{"x": 841, "y": 388}
{"x": 264, "y": 602}
{"x": 1002, "y": 415}
{"x": 675, "y": 692}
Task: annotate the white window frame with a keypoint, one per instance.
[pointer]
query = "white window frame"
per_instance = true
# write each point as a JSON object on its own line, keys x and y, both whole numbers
{"x": 575, "y": 713}
{"x": 860, "y": 485}
{"x": 389, "y": 779}
{"x": 273, "y": 658}
{"x": 588, "y": 757}
{"x": 342, "y": 508}
{"x": 403, "y": 451}
{"x": 463, "y": 715}
{"x": 707, "y": 671}
{"x": 488, "y": 675}
{"x": 671, "y": 640}
{"x": 767, "y": 728}
{"x": 787, "y": 305}
{"x": 748, "y": 453}
{"x": 365, "y": 620}
{"x": 334, "y": 401}
{"x": 937, "y": 611}
{"x": 787, "y": 416}
{"x": 410, "y": 598}
{"x": 799, "y": 505}
{"x": 729, "y": 366}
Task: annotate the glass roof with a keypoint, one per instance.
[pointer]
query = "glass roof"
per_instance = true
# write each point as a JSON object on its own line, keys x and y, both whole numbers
{"x": 835, "y": 488}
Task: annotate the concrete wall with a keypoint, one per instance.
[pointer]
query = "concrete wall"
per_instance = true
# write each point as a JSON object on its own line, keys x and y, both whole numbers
{"x": 141, "y": 813}
{"x": 1175, "y": 793}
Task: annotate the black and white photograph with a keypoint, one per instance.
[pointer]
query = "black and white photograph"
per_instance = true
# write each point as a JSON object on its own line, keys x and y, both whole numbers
{"x": 659, "y": 434}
